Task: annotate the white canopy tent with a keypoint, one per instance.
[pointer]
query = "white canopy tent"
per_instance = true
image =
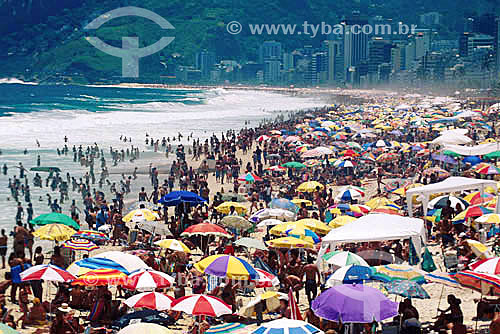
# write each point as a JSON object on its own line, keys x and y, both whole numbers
{"x": 451, "y": 138}
{"x": 480, "y": 149}
{"x": 377, "y": 227}
{"x": 451, "y": 184}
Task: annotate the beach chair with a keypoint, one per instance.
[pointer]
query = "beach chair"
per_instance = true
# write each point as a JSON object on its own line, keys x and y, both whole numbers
{"x": 451, "y": 262}
{"x": 390, "y": 329}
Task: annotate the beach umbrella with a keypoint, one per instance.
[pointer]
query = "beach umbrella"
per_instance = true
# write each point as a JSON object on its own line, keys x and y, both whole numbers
{"x": 226, "y": 266}
{"x": 472, "y": 211}
{"x": 387, "y": 157}
{"x": 486, "y": 169}
{"x": 55, "y": 218}
{"x": 148, "y": 279}
{"x": 83, "y": 266}
{"x": 99, "y": 277}
{"x": 271, "y": 300}
{"x": 490, "y": 218}
{"x": 350, "y": 193}
{"x": 294, "y": 164}
{"x": 290, "y": 242}
{"x": 47, "y": 272}
{"x": 440, "y": 202}
{"x": 226, "y": 206}
{"x": 263, "y": 138}
{"x": 201, "y": 305}
{"x": 174, "y": 245}
{"x": 236, "y": 222}
{"x": 310, "y": 186}
{"x": 283, "y": 203}
{"x": 387, "y": 209}
{"x": 480, "y": 250}
{"x": 287, "y": 326}
{"x": 56, "y": 232}
{"x": 251, "y": 243}
{"x": 145, "y": 328}
{"x": 266, "y": 213}
{"x": 476, "y": 198}
{"x": 350, "y": 274}
{"x": 249, "y": 177}
{"x": 140, "y": 215}
{"x": 4, "y": 329}
{"x": 488, "y": 266}
{"x": 205, "y": 229}
{"x": 472, "y": 159}
{"x": 407, "y": 289}
{"x": 314, "y": 225}
{"x": 302, "y": 232}
{"x": 344, "y": 163}
{"x": 265, "y": 279}
{"x": 451, "y": 153}
{"x": 377, "y": 202}
{"x": 402, "y": 190}
{"x": 343, "y": 258}
{"x": 442, "y": 278}
{"x": 177, "y": 197}
{"x": 231, "y": 327}
{"x": 151, "y": 300}
{"x": 444, "y": 158}
{"x": 299, "y": 201}
{"x": 441, "y": 173}
{"x": 91, "y": 235}
{"x": 130, "y": 262}
{"x": 281, "y": 229}
{"x": 276, "y": 169}
{"x": 341, "y": 221}
{"x": 486, "y": 284}
{"x": 354, "y": 303}
{"x": 143, "y": 316}
{"x": 269, "y": 222}
{"x": 80, "y": 245}
{"x": 397, "y": 272}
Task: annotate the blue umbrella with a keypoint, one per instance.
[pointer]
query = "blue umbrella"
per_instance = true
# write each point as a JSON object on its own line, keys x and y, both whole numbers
{"x": 349, "y": 275}
{"x": 473, "y": 160}
{"x": 283, "y": 203}
{"x": 177, "y": 197}
{"x": 286, "y": 326}
{"x": 444, "y": 158}
{"x": 407, "y": 289}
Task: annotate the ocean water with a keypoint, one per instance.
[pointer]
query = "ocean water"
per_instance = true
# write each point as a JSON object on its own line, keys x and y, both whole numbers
{"x": 88, "y": 115}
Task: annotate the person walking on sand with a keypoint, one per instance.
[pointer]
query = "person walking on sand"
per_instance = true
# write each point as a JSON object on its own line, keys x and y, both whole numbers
{"x": 312, "y": 276}
{"x": 3, "y": 247}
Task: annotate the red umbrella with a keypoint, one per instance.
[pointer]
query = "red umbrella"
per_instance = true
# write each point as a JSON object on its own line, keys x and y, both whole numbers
{"x": 487, "y": 266}
{"x": 487, "y": 284}
{"x": 47, "y": 272}
{"x": 201, "y": 305}
{"x": 147, "y": 279}
{"x": 152, "y": 300}
{"x": 265, "y": 280}
{"x": 205, "y": 229}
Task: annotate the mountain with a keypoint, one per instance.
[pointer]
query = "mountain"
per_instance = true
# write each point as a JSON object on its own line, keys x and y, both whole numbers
{"x": 44, "y": 39}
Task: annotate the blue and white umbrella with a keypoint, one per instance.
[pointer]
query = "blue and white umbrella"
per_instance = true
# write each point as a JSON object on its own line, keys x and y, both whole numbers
{"x": 349, "y": 275}
{"x": 287, "y": 326}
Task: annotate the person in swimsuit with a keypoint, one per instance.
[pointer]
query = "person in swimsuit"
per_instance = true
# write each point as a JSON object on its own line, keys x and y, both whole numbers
{"x": 312, "y": 276}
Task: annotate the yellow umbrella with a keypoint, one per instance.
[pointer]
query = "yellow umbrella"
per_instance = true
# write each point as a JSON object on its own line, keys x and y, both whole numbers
{"x": 310, "y": 186}
{"x": 173, "y": 244}
{"x": 315, "y": 225}
{"x": 272, "y": 302}
{"x": 281, "y": 229}
{"x": 140, "y": 215}
{"x": 402, "y": 191}
{"x": 226, "y": 206}
{"x": 341, "y": 221}
{"x": 378, "y": 201}
{"x": 299, "y": 201}
{"x": 479, "y": 249}
{"x": 57, "y": 232}
{"x": 290, "y": 242}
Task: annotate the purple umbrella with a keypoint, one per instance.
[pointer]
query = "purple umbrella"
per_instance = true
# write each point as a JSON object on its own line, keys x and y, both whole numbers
{"x": 354, "y": 303}
{"x": 444, "y": 158}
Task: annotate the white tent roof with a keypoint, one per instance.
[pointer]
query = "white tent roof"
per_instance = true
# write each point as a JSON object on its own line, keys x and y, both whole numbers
{"x": 451, "y": 138}
{"x": 377, "y": 227}
{"x": 451, "y": 184}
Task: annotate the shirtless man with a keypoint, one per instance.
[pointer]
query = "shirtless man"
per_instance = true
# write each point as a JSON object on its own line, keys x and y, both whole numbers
{"x": 311, "y": 272}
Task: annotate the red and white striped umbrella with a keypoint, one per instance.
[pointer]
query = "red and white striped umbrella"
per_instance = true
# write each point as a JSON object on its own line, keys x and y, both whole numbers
{"x": 488, "y": 266}
{"x": 148, "y": 279}
{"x": 152, "y": 300}
{"x": 265, "y": 280}
{"x": 201, "y": 305}
{"x": 47, "y": 272}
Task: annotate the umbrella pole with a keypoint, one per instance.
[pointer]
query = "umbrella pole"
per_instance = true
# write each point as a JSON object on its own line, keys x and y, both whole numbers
{"x": 439, "y": 302}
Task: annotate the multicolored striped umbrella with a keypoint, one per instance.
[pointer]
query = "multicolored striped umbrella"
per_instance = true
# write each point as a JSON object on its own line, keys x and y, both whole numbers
{"x": 227, "y": 266}
{"x": 486, "y": 169}
{"x": 201, "y": 305}
{"x": 342, "y": 259}
{"x": 397, "y": 272}
{"x": 80, "y": 245}
{"x": 265, "y": 280}
{"x": 488, "y": 266}
{"x": 89, "y": 234}
{"x": 472, "y": 211}
{"x": 486, "y": 284}
{"x": 100, "y": 277}
{"x": 232, "y": 327}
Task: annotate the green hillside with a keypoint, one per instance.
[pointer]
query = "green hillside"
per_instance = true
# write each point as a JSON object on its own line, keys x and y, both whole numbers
{"x": 45, "y": 38}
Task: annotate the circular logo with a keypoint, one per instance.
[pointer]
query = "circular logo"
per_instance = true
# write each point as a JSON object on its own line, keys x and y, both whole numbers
{"x": 234, "y": 27}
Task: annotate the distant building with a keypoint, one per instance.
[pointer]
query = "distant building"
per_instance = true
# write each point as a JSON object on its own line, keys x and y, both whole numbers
{"x": 205, "y": 62}
{"x": 288, "y": 62}
{"x": 398, "y": 58}
{"x": 430, "y": 19}
{"x": 379, "y": 52}
{"x": 422, "y": 42}
{"x": 272, "y": 71}
{"x": 335, "y": 61}
{"x": 269, "y": 50}
{"x": 355, "y": 46}
{"x": 479, "y": 41}
{"x": 469, "y": 25}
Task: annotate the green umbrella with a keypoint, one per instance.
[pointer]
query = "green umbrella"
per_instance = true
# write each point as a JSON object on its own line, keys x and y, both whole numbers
{"x": 45, "y": 169}
{"x": 451, "y": 153}
{"x": 293, "y": 164}
{"x": 55, "y": 218}
{"x": 493, "y": 155}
